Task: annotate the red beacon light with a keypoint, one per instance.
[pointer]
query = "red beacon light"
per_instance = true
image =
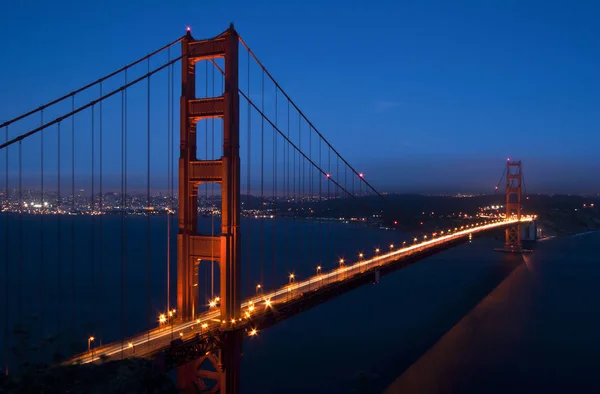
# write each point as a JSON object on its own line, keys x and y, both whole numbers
{"x": 361, "y": 175}
{"x": 188, "y": 29}
{"x": 327, "y": 175}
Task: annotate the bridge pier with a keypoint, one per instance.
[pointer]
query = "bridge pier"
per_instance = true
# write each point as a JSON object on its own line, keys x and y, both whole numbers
{"x": 214, "y": 372}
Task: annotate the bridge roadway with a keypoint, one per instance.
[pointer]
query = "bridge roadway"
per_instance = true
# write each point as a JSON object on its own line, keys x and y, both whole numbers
{"x": 158, "y": 338}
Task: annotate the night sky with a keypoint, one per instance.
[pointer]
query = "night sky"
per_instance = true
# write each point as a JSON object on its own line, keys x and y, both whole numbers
{"x": 422, "y": 96}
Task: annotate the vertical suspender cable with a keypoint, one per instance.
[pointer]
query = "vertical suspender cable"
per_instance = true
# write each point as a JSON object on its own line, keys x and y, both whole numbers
{"x": 172, "y": 154}
{"x": 73, "y": 306}
{"x": 248, "y": 200}
{"x": 169, "y": 163}
{"x": 287, "y": 181}
{"x": 42, "y": 212}
{"x": 6, "y": 255}
{"x": 262, "y": 179}
{"x": 20, "y": 280}
{"x": 299, "y": 247}
{"x": 295, "y": 200}
{"x": 92, "y": 251}
{"x": 206, "y": 284}
{"x": 58, "y": 233}
{"x": 311, "y": 195}
{"x": 123, "y": 199}
{"x": 274, "y": 206}
{"x": 212, "y": 199}
{"x": 148, "y": 323}
{"x": 101, "y": 249}
{"x": 320, "y": 200}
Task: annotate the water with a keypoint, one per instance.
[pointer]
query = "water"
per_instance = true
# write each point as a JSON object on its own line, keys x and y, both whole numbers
{"x": 63, "y": 287}
{"x": 362, "y": 340}
{"x": 538, "y": 331}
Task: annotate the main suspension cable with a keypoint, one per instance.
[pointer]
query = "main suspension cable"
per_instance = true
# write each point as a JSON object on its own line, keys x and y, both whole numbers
{"x": 89, "y": 85}
{"x": 305, "y": 117}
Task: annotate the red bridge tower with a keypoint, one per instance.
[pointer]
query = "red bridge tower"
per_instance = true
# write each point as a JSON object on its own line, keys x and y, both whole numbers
{"x": 225, "y": 249}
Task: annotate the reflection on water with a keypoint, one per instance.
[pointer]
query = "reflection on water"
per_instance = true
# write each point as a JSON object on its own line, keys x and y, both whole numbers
{"x": 538, "y": 331}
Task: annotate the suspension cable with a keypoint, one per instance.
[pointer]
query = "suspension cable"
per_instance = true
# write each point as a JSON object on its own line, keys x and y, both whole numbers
{"x": 73, "y": 306}
{"x": 101, "y": 211}
{"x": 248, "y": 199}
{"x": 100, "y": 80}
{"x": 123, "y": 221}
{"x": 296, "y": 149}
{"x": 58, "y": 232}
{"x": 169, "y": 164}
{"x": 305, "y": 117}
{"x": 499, "y": 181}
{"x": 89, "y": 104}
{"x": 42, "y": 211}
{"x": 93, "y": 295}
{"x": 6, "y": 256}
{"x": 148, "y": 248}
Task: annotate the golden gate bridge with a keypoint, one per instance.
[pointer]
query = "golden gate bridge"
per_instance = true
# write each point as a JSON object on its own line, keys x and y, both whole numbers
{"x": 115, "y": 136}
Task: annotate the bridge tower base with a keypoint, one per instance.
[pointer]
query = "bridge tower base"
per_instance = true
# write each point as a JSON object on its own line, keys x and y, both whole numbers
{"x": 225, "y": 249}
{"x": 214, "y": 372}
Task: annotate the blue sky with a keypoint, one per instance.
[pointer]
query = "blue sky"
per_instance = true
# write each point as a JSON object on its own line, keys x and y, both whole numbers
{"x": 423, "y": 96}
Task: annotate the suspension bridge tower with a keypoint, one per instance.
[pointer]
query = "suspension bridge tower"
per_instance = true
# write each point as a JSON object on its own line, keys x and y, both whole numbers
{"x": 514, "y": 179}
{"x": 514, "y": 183}
{"x": 193, "y": 247}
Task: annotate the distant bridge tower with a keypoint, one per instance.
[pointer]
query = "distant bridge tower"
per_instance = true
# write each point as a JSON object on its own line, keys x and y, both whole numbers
{"x": 514, "y": 180}
{"x": 191, "y": 246}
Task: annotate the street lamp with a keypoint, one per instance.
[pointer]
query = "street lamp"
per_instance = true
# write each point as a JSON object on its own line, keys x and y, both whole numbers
{"x": 376, "y": 250}
{"x": 291, "y": 278}
{"x": 130, "y": 345}
{"x": 415, "y": 240}
{"x": 258, "y": 287}
{"x": 391, "y": 246}
{"x": 90, "y": 340}
{"x": 318, "y": 272}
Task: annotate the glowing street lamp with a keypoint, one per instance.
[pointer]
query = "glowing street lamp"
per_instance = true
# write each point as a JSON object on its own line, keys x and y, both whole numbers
{"x": 130, "y": 346}
{"x": 391, "y": 246}
{"x": 258, "y": 287}
{"x": 292, "y": 278}
{"x": 90, "y": 340}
